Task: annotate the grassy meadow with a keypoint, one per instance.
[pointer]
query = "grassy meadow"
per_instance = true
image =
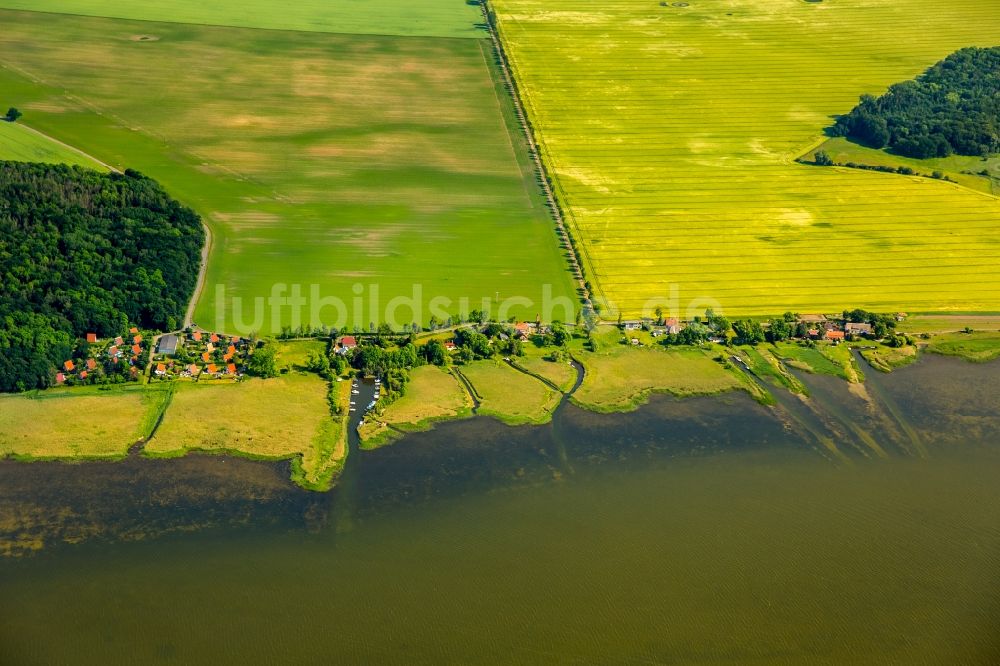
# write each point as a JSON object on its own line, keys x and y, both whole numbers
{"x": 620, "y": 377}
{"x": 316, "y": 159}
{"x": 19, "y": 143}
{"x": 671, "y": 133}
{"x": 432, "y": 394}
{"x": 978, "y": 346}
{"x": 510, "y": 395}
{"x": 271, "y": 419}
{"x": 80, "y": 424}
{"x": 561, "y": 373}
{"x": 429, "y": 18}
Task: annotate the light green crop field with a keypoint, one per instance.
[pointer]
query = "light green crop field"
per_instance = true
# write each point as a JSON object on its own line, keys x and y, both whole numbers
{"x": 18, "y": 143}
{"x": 671, "y": 134}
{"x": 432, "y": 18}
{"x": 341, "y": 161}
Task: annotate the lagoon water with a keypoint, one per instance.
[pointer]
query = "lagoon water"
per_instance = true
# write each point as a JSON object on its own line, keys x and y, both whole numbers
{"x": 703, "y": 531}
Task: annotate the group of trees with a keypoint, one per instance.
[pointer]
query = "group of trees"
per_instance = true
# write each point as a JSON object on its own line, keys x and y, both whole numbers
{"x": 882, "y": 325}
{"x": 85, "y": 252}
{"x": 953, "y": 107}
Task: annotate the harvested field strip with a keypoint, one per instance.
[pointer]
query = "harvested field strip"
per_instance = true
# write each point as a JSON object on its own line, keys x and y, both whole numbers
{"x": 428, "y": 18}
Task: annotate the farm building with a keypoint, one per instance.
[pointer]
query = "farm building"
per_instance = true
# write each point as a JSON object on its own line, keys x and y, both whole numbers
{"x": 853, "y": 328}
{"x": 167, "y": 345}
{"x": 347, "y": 343}
{"x": 835, "y": 336}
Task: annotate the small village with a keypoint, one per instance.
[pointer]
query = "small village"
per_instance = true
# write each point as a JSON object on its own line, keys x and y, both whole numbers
{"x": 137, "y": 356}
{"x": 198, "y": 355}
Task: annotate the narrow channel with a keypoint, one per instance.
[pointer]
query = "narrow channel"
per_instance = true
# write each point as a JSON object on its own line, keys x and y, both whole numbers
{"x": 345, "y": 493}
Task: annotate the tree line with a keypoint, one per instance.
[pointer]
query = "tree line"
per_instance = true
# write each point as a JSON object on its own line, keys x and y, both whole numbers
{"x": 86, "y": 252}
{"x": 953, "y": 107}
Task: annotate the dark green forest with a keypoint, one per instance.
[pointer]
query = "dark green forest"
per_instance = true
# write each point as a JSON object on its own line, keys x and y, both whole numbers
{"x": 953, "y": 107}
{"x": 86, "y": 252}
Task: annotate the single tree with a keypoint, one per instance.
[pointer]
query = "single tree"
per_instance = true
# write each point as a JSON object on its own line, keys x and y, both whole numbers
{"x": 822, "y": 158}
{"x": 12, "y": 114}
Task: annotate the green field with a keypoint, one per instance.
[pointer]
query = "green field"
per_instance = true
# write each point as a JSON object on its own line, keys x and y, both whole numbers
{"x": 671, "y": 133}
{"x": 339, "y": 161}
{"x": 79, "y": 424}
{"x": 432, "y": 18}
{"x": 18, "y": 143}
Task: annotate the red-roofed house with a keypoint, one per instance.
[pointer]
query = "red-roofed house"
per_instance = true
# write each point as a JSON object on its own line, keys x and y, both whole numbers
{"x": 133, "y": 330}
{"x": 231, "y": 350}
{"x": 161, "y": 369}
{"x": 196, "y": 336}
{"x": 118, "y": 341}
{"x": 231, "y": 368}
{"x": 113, "y": 352}
{"x": 136, "y": 339}
{"x": 83, "y": 375}
{"x": 60, "y": 378}
{"x": 69, "y": 366}
{"x": 347, "y": 343}
{"x": 836, "y": 336}
{"x": 91, "y": 364}
{"x": 214, "y": 338}
{"x": 205, "y": 357}
{"x": 136, "y": 349}
{"x": 193, "y": 369}
{"x": 212, "y": 369}
{"x": 227, "y": 357}
{"x": 91, "y": 337}
{"x": 449, "y": 345}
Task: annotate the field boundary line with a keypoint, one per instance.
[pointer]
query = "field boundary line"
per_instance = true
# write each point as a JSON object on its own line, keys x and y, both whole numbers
{"x": 503, "y": 121}
{"x": 199, "y": 286}
{"x": 575, "y": 262}
{"x": 70, "y": 148}
{"x": 816, "y": 144}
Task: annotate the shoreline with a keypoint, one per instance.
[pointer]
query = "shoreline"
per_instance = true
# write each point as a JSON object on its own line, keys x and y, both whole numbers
{"x": 606, "y": 382}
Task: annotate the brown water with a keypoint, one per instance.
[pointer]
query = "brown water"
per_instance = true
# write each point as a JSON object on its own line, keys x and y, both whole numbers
{"x": 690, "y": 532}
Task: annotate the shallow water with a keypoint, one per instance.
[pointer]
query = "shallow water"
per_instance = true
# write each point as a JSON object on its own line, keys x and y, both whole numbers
{"x": 696, "y": 531}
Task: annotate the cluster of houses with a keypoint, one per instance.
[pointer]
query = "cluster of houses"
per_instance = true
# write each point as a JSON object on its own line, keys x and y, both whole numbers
{"x": 818, "y": 327}
{"x": 123, "y": 356}
{"x": 199, "y": 355}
